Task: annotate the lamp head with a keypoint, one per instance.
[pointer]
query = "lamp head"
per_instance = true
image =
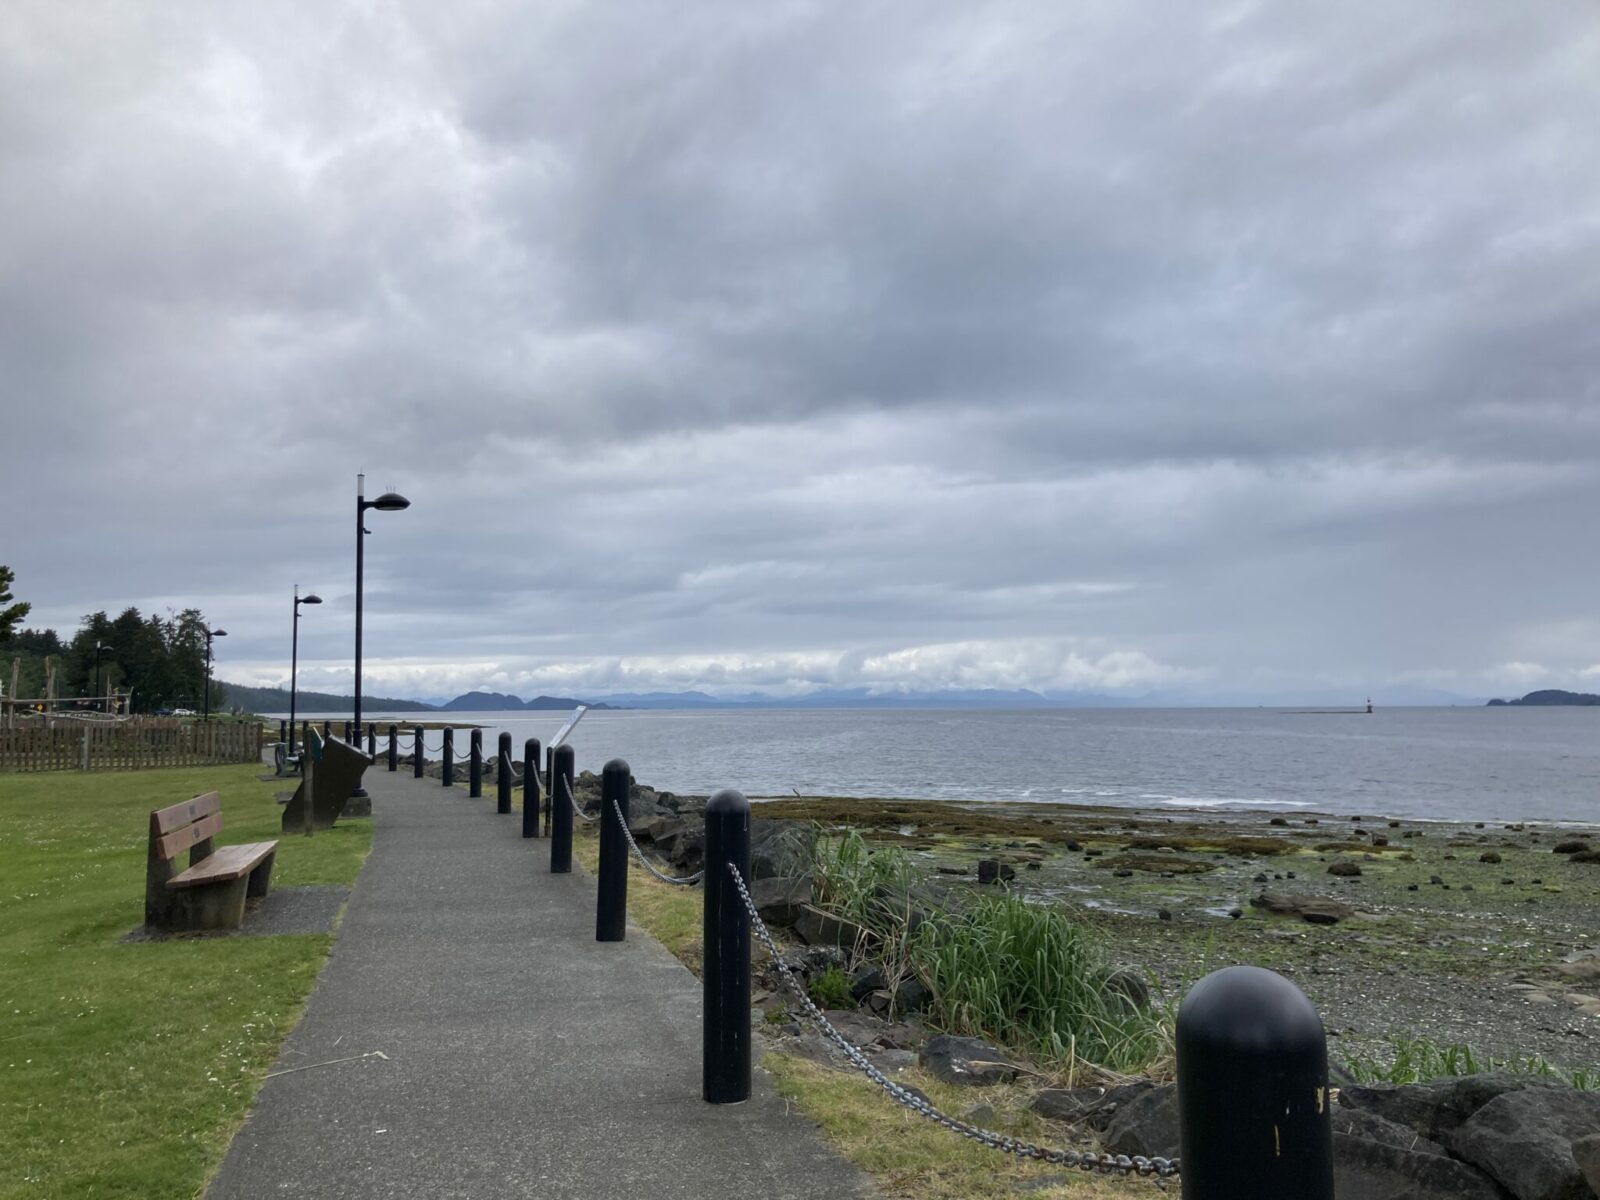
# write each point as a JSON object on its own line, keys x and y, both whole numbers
{"x": 313, "y": 598}
{"x": 389, "y": 502}
{"x": 216, "y": 633}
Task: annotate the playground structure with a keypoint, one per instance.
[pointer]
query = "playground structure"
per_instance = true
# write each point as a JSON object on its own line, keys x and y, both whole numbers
{"x": 15, "y": 711}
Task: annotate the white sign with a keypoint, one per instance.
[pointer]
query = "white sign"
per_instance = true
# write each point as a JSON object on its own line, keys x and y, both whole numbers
{"x": 577, "y": 715}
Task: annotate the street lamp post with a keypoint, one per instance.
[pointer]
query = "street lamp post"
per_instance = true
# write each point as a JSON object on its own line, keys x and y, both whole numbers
{"x": 294, "y": 654}
{"x": 210, "y": 633}
{"x": 388, "y": 502}
{"x": 98, "y": 647}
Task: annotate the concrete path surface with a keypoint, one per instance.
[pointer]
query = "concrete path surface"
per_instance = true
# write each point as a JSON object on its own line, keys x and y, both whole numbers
{"x": 491, "y": 1048}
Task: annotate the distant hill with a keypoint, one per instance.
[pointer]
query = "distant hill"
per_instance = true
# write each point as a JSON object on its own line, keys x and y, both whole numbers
{"x": 505, "y": 702}
{"x": 1551, "y": 696}
{"x": 275, "y": 700}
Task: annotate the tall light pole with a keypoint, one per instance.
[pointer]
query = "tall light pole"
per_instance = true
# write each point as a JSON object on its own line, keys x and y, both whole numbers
{"x": 388, "y": 502}
{"x": 98, "y": 647}
{"x": 294, "y": 654}
{"x": 210, "y": 633}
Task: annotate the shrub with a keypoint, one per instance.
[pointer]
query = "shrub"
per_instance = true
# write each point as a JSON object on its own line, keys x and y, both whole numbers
{"x": 1419, "y": 1059}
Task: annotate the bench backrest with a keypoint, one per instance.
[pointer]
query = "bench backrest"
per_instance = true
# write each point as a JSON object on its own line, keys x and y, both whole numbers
{"x": 187, "y": 826}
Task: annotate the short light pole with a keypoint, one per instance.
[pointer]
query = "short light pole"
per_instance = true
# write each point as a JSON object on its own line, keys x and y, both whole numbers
{"x": 294, "y": 654}
{"x": 98, "y": 647}
{"x": 210, "y": 633}
{"x": 388, "y": 502}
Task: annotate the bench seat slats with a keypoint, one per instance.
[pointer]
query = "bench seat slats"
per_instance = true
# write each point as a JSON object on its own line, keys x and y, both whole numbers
{"x": 179, "y": 840}
{"x": 165, "y": 820}
{"x": 230, "y": 862}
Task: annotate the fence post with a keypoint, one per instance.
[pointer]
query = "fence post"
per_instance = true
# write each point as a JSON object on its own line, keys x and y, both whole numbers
{"x": 394, "y": 748}
{"x": 1253, "y": 1112}
{"x": 531, "y": 792}
{"x": 283, "y": 730}
{"x": 725, "y": 1042}
{"x": 502, "y": 778}
{"x": 563, "y": 766}
{"x": 372, "y": 739}
{"x": 449, "y": 775}
{"x": 327, "y": 730}
{"x": 611, "y": 901}
{"x": 349, "y": 734}
{"x": 475, "y": 766}
{"x": 550, "y": 781}
{"x": 416, "y": 752}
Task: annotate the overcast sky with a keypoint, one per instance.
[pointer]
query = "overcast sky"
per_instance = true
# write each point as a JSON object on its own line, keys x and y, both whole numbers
{"x": 1108, "y": 346}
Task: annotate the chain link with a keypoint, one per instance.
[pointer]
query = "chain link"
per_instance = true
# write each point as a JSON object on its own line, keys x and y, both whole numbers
{"x": 1159, "y": 1168}
{"x": 566, "y": 787}
{"x": 686, "y": 881}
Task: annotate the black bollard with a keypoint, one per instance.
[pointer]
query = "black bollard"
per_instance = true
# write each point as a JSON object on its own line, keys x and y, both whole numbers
{"x": 416, "y": 752}
{"x": 349, "y": 739}
{"x": 558, "y": 821}
{"x": 372, "y": 740}
{"x": 611, "y": 901}
{"x": 530, "y": 788}
{"x": 449, "y": 758}
{"x": 725, "y": 1043}
{"x": 1253, "y": 1109}
{"x": 283, "y": 731}
{"x": 394, "y": 748}
{"x": 502, "y": 779}
{"x": 305, "y": 734}
{"x": 475, "y": 766}
{"x": 327, "y": 730}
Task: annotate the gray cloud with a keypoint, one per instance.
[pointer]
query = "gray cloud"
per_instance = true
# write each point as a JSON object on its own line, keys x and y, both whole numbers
{"x": 1111, "y": 347}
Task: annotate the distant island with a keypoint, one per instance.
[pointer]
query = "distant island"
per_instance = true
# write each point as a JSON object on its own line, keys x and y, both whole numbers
{"x": 1550, "y": 696}
{"x": 258, "y": 700}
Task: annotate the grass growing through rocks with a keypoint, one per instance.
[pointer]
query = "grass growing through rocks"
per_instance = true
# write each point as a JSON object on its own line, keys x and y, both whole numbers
{"x": 125, "y": 1067}
{"x": 1417, "y": 1060}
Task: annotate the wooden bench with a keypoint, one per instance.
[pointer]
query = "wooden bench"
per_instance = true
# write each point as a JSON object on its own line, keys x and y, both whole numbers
{"x": 211, "y": 892}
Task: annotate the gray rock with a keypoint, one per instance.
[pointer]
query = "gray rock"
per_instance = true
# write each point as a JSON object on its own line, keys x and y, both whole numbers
{"x": 911, "y": 995}
{"x": 781, "y": 899}
{"x": 893, "y": 1062}
{"x": 866, "y": 981}
{"x": 981, "y": 1115}
{"x": 1130, "y": 988}
{"x": 1315, "y": 909}
{"x": 991, "y": 870}
{"x": 1436, "y": 1108}
{"x": 818, "y": 928}
{"x": 780, "y": 847}
{"x": 1375, "y": 1159}
{"x": 965, "y": 1061}
{"x": 1586, "y": 1153}
{"x": 1146, "y": 1124}
{"x": 1075, "y": 1106}
{"x": 1524, "y": 1140}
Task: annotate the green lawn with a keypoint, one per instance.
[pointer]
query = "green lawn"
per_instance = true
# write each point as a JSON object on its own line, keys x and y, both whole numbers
{"x": 126, "y": 1067}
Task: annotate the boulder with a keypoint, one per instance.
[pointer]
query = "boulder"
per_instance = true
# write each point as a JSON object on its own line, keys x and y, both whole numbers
{"x": 780, "y": 847}
{"x": 1146, "y": 1124}
{"x": 991, "y": 870}
{"x": 1436, "y": 1108}
{"x": 818, "y": 928}
{"x": 1524, "y": 1140}
{"x": 866, "y": 981}
{"x": 1344, "y": 867}
{"x": 1130, "y": 988}
{"x": 1586, "y": 1153}
{"x": 1075, "y": 1106}
{"x": 964, "y": 1060}
{"x": 781, "y": 899}
{"x": 911, "y": 996}
{"x": 1375, "y": 1159}
{"x": 1315, "y": 909}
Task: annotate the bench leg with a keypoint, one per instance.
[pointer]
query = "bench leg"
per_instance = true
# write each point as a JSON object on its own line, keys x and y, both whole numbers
{"x": 214, "y": 906}
{"x": 261, "y": 878}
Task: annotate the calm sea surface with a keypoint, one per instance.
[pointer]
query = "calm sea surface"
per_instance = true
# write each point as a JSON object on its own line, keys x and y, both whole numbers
{"x": 1444, "y": 763}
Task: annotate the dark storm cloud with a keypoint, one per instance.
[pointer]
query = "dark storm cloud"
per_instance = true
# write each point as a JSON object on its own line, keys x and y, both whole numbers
{"x": 1113, "y": 347}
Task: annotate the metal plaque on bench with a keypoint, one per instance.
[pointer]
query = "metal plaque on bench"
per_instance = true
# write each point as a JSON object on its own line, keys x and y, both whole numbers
{"x": 339, "y": 768}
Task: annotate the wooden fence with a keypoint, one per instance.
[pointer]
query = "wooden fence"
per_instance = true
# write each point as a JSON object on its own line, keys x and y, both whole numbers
{"x": 128, "y": 745}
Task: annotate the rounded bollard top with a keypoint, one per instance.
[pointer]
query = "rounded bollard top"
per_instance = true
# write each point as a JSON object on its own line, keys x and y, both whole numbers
{"x": 617, "y": 766}
{"x": 531, "y": 744}
{"x": 565, "y": 754}
{"x": 728, "y": 800}
{"x": 1249, "y": 1009}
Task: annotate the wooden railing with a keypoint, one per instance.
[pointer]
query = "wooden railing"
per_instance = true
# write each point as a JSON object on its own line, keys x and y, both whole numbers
{"x": 128, "y": 745}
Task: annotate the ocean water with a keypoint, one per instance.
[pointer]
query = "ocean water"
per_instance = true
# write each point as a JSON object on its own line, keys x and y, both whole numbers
{"x": 1482, "y": 764}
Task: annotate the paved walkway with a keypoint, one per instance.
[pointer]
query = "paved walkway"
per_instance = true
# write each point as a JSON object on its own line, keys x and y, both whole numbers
{"x": 519, "y": 1057}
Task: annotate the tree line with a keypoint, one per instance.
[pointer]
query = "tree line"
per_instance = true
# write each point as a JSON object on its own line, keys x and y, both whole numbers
{"x": 162, "y": 659}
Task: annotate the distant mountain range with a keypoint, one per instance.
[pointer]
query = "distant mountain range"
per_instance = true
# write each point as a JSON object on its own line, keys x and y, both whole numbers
{"x": 277, "y": 700}
{"x": 1551, "y": 696}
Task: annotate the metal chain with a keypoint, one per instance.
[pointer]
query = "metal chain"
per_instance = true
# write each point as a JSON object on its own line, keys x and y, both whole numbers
{"x": 686, "y": 881}
{"x": 566, "y": 787}
{"x": 1105, "y": 1164}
